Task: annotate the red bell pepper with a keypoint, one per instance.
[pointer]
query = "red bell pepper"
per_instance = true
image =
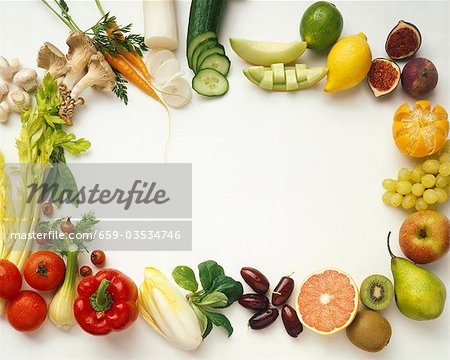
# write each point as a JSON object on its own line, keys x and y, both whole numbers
{"x": 106, "y": 302}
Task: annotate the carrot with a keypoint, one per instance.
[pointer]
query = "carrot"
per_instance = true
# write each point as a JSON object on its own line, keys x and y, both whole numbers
{"x": 119, "y": 64}
{"x": 132, "y": 57}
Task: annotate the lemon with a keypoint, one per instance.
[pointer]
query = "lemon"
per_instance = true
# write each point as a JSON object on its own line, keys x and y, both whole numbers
{"x": 348, "y": 62}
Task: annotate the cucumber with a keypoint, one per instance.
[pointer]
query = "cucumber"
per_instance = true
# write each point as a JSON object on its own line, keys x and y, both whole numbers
{"x": 210, "y": 35}
{"x": 204, "y": 17}
{"x": 207, "y": 44}
{"x": 210, "y": 82}
{"x": 215, "y": 50}
{"x": 217, "y": 62}
{"x": 204, "y": 23}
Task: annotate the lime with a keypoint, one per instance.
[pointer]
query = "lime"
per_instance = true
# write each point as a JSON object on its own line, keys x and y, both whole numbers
{"x": 321, "y": 25}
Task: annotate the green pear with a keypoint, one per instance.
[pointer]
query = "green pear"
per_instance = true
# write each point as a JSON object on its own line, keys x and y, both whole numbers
{"x": 420, "y": 295}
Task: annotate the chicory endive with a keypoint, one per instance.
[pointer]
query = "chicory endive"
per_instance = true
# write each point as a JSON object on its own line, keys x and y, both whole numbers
{"x": 167, "y": 311}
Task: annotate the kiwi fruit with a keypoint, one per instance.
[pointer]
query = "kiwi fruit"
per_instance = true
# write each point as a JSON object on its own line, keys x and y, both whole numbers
{"x": 370, "y": 331}
{"x": 377, "y": 292}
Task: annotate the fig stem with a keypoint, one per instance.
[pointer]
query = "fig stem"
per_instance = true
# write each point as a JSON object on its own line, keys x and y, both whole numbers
{"x": 389, "y": 246}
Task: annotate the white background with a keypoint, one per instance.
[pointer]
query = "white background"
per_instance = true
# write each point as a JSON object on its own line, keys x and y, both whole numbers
{"x": 282, "y": 182}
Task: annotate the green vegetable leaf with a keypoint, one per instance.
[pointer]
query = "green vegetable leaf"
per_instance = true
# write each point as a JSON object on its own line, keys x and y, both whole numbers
{"x": 209, "y": 327}
{"x": 202, "y": 318}
{"x": 215, "y": 300}
{"x": 228, "y": 286}
{"x": 67, "y": 189}
{"x": 220, "y": 320}
{"x": 208, "y": 271}
{"x": 184, "y": 276}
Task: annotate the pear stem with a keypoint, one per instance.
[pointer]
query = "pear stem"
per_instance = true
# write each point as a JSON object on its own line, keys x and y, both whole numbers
{"x": 389, "y": 246}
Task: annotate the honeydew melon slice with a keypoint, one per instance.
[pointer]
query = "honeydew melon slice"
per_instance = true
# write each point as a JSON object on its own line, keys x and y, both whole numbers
{"x": 300, "y": 71}
{"x": 257, "y": 72}
{"x": 279, "y": 76}
{"x": 267, "y": 52}
{"x": 291, "y": 80}
{"x": 248, "y": 75}
{"x": 267, "y": 80}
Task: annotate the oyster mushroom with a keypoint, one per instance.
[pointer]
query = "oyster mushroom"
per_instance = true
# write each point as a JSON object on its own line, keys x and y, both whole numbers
{"x": 5, "y": 110}
{"x": 26, "y": 79}
{"x": 81, "y": 49}
{"x": 3, "y": 88}
{"x": 18, "y": 100}
{"x": 52, "y": 59}
{"x": 100, "y": 76}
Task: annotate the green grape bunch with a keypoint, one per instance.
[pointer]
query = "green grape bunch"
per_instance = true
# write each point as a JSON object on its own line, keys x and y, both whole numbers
{"x": 422, "y": 188}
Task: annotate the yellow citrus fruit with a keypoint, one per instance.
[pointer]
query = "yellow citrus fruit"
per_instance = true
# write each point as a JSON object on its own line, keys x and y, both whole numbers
{"x": 348, "y": 62}
{"x": 420, "y": 131}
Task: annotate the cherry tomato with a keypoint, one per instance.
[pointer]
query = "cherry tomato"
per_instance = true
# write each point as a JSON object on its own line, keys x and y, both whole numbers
{"x": 98, "y": 258}
{"x": 44, "y": 270}
{"x": 67, "y": 226}
{"x": 10, "y": 279}
{"x": 26, "y": 311}
{"x": 47, "y": 209}
{"x": 85, "y": 271}
{"x": 42, "y": 238}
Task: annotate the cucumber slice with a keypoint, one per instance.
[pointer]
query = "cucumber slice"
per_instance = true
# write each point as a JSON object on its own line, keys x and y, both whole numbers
{"x": 218, "y": 49}
{"x": 207, "y": 44}
{"x": 217, "y": 62}
{"x": 167, "y": 70}
{"x": 157, "y": 60}
{"x": 267, "y": 80}
{"x": 210, "y": 82}
{"x": 291, "y": 80}
{"x": 278, "y": 73}
{"x": 196, "y": 41}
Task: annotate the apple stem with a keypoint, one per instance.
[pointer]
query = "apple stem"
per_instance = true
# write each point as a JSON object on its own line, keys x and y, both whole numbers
{"x": 389, "y": 246}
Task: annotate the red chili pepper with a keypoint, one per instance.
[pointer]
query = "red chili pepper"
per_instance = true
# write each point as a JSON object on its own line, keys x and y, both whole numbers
{"x": 106, "y": 302}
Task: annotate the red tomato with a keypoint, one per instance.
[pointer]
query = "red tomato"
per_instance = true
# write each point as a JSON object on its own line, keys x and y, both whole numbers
{"x": 26, "y": 311}
{"x": 10, "y": 279}
{"x": 98, "y": 258}
{"x": 85, "y": 271}
{"x": 44, "y": 270}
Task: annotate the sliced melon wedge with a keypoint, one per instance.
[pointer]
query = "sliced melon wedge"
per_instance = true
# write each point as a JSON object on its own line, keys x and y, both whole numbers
{"x": 267, "y": 80}
{"x": 279, "y": 76}
{"x": 292, "y": 78}
{"x": 267, "y": 53}
{"x": 257, "y": 72}
{"x": 249, "y": 76}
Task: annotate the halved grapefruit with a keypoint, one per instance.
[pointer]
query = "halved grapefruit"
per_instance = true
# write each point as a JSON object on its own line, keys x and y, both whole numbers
{"x": 327, "y": 301}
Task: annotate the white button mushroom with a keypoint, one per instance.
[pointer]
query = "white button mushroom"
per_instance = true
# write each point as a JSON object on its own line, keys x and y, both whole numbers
{"x": 3, "y": 88}
{"x": 26, "y": 79}
{"x": 8, "y": 68}
{"x": 15, "y": 64}
{"x": 5, "y": 110}
{"x": 18, "y": 100}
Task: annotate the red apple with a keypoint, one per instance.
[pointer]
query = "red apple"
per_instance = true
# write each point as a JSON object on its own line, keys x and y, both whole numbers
{"x": 425, "y": 236}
